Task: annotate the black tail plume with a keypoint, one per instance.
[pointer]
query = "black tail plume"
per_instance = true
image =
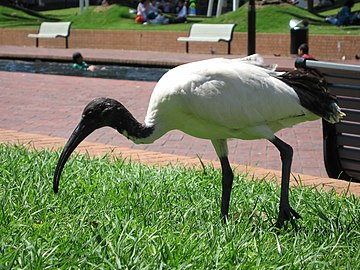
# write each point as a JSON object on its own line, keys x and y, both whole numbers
{"x": 313, "y": 93}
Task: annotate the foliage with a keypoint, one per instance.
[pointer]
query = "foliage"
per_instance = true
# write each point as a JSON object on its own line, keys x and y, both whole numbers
{"x": 114, "y": 214}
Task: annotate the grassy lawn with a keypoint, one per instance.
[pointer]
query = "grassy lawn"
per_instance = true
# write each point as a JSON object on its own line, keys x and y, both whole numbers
{"x": 270, "y": 19}
{"x": 121, "y": 215}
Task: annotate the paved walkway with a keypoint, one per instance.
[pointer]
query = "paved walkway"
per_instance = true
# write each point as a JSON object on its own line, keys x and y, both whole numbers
{"x": 121, "y": 56}
{"x": 50, "y": 106}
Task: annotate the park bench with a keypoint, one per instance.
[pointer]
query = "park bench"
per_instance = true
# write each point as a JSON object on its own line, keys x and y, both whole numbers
{"x": 341, "y": 142}
{"x": 209, "y": 33}
{"x": 53, "y": 30}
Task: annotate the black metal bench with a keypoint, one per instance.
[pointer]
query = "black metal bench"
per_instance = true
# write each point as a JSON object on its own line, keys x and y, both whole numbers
{"x": 342, "y": 140}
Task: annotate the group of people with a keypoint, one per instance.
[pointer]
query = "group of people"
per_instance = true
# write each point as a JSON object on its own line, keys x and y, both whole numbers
{"x": 152, "y": 11}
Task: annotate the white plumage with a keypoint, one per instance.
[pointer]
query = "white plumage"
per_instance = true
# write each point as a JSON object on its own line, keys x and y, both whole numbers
{"x": 223, "y": 98}
{"x": 218, "y": 99}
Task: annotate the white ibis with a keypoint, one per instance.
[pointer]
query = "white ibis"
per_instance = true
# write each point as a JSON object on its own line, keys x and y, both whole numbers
{"x": 219, "y": 99}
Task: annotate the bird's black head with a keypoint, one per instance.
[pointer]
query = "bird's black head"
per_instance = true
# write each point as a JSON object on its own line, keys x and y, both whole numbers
{"x": 102, "y": 112}
{"x": 98, "y": 113}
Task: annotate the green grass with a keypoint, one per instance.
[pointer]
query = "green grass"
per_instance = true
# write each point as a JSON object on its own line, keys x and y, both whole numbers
{"x": 270, "y": 19}
{"x": 121, "y": 215}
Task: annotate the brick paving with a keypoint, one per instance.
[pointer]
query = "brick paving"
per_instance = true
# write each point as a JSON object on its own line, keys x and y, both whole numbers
{"x": 44, "y": 109}
{"x": 152, "y": 58}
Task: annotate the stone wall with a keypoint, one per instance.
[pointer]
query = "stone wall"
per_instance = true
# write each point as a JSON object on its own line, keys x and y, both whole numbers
{"x": 323, "y": 47}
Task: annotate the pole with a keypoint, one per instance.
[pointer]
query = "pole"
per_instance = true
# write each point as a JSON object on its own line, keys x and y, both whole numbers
{"x": 235, "y": 5}
{"x": 210, "y": 7}
{"x": 251, "y": 27}
{"x": 81, "y": 6}
{"x": 219, "y": 7}
{"x": 310, "y": 5}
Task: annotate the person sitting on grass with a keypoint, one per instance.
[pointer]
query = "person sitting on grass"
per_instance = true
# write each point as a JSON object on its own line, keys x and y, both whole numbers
{"x": 345, "y": 17}
{"x": 79, "y": 63}
{"x": 182, "y": 13}
{"x": 155, "y": 15}
{"x": 141, "y": 11}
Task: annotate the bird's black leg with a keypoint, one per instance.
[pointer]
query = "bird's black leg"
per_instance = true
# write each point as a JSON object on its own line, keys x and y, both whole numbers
{"x": 227, "y": 181}
{"x": 227, "y": 176}
{"x": 285, "y": 210}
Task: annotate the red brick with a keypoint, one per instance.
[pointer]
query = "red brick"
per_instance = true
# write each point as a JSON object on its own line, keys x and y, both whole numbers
{"x": 325, "y": 47}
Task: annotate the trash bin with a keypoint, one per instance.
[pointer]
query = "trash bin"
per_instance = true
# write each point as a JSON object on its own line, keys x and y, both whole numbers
{"x": 298, "y": 35}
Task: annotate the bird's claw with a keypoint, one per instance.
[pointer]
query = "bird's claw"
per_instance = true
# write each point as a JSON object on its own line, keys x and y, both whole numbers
{"x": 225, "y": 218}
{"x": 285, "y": 214}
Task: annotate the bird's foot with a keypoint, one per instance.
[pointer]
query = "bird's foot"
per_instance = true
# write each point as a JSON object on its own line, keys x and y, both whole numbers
{"x": 285, "y": 214}
{"x": 225, "y": 218}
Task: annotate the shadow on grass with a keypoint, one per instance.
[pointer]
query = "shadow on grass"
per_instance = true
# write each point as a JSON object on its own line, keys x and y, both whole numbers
{"x": 22, "y": 19}
{"x": 29, "y": 12}
{"x": 311, "y": 20}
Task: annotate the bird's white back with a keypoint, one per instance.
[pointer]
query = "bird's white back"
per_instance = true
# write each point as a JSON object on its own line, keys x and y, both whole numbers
{"x": 222, "y": 98}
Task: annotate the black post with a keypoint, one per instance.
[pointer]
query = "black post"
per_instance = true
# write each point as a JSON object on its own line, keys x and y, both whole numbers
{"x": 311, "y": 5}
{"x": 251, "y": 27}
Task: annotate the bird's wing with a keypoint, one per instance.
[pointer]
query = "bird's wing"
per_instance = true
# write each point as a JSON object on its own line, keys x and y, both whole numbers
{"x": 258, "y": 60}
{"x": 227, "y": 94}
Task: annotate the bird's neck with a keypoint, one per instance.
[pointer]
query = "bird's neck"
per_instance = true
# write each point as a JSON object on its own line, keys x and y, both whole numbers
{"x": 138, "y": 132}
{"x": 126, "y": 124}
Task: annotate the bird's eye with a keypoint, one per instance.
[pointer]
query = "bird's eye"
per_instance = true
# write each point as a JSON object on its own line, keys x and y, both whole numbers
{"x": 87, "y": 114}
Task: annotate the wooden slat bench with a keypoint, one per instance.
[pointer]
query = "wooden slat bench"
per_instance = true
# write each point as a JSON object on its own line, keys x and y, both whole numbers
{"x": 342, "y": 140}
{"x": 53, "y": 30}
{"x": 209, "y": 33}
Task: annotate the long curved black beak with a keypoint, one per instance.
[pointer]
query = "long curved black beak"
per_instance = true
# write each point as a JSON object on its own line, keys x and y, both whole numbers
{"x": 79, "y": 134}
